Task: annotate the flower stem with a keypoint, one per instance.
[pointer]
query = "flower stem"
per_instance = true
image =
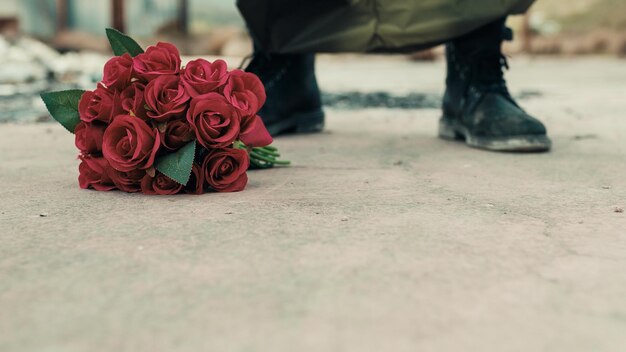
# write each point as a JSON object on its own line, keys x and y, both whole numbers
{"x": 255, "y": 155}
{"x": 262, "y": 157}
{"x": 271, "y": 147}
{"x": 266, "y": 152}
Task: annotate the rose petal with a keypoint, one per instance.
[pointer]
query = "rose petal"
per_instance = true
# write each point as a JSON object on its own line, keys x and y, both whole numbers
{"x": 254, "y": 133}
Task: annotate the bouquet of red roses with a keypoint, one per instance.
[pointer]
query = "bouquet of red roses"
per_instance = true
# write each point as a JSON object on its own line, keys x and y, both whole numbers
{"x": 156, "y": 127}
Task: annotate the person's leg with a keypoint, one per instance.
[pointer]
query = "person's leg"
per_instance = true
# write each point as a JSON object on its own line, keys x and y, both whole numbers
{"x": 477, "y": 106}
{"x": 293, "y": 98}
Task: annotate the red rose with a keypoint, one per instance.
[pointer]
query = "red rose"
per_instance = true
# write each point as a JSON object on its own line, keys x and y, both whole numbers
{"x": 88, "y": 137}
{"x": 201, "y": 77}
{"x": 166, "y": 98}
{"x": 225, "y": 169}
{"x": 195, "y": 185}
{"x": 117, "y": 72}
{"x": 162, "y": 59}
{"x": 93, "y": 174}
{"x": 253, "y": 132}
{"x": 177, "y": 133}
{"x": 127, "y": 181}
{"x": 130, "y": 144}
{"x": 99, "y": 105}
{"x": 245, "y": 91}
{"x": 214, "y": 121}
{"x": 132, "y": 100}
{"x": 160, "y": 184}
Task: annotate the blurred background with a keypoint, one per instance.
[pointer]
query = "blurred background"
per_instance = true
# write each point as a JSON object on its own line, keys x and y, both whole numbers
{"x": 60, "y": 44}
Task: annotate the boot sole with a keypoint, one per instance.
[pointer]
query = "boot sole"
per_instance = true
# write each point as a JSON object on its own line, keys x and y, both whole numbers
{"x": 300, "y": 122}
{"x": 449, "y": 130}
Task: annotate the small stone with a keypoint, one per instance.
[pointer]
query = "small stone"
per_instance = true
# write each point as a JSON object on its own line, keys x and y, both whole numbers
{"x": 43, "y": 215}
{"x": 606, "y": 187}
{"x": 344, "y": 219}
{"x": 618, "y": 210}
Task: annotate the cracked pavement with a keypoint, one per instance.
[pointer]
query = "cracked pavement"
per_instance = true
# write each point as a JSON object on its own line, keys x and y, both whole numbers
{"x": 379, "y": 237}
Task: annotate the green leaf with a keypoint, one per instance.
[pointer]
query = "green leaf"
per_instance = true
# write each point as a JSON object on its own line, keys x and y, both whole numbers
{"x": 122, "y": 44}
{"x": 63, "y": 106}
{"x": 177, "y": 165}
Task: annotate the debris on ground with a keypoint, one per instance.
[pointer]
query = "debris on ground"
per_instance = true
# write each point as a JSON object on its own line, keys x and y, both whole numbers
{"x": 29, "y": 67}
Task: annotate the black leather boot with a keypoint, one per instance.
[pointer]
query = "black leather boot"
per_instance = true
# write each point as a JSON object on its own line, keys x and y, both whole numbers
{"x": 293, "y": 99}
{"x": 477, "y": 106}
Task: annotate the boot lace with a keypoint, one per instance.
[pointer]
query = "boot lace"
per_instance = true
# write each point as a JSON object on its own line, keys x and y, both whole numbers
{"x": 487, "y": 73}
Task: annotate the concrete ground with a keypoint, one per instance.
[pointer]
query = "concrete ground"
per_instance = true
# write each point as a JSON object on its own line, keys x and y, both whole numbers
{"x": 380, "y": 237}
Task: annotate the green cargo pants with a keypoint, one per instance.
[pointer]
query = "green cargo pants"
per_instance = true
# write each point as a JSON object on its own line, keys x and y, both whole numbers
{"x": 298, "y": 26}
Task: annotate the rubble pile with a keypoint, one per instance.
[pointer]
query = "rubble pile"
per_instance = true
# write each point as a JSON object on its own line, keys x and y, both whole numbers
{"x": 29, "y": 67}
